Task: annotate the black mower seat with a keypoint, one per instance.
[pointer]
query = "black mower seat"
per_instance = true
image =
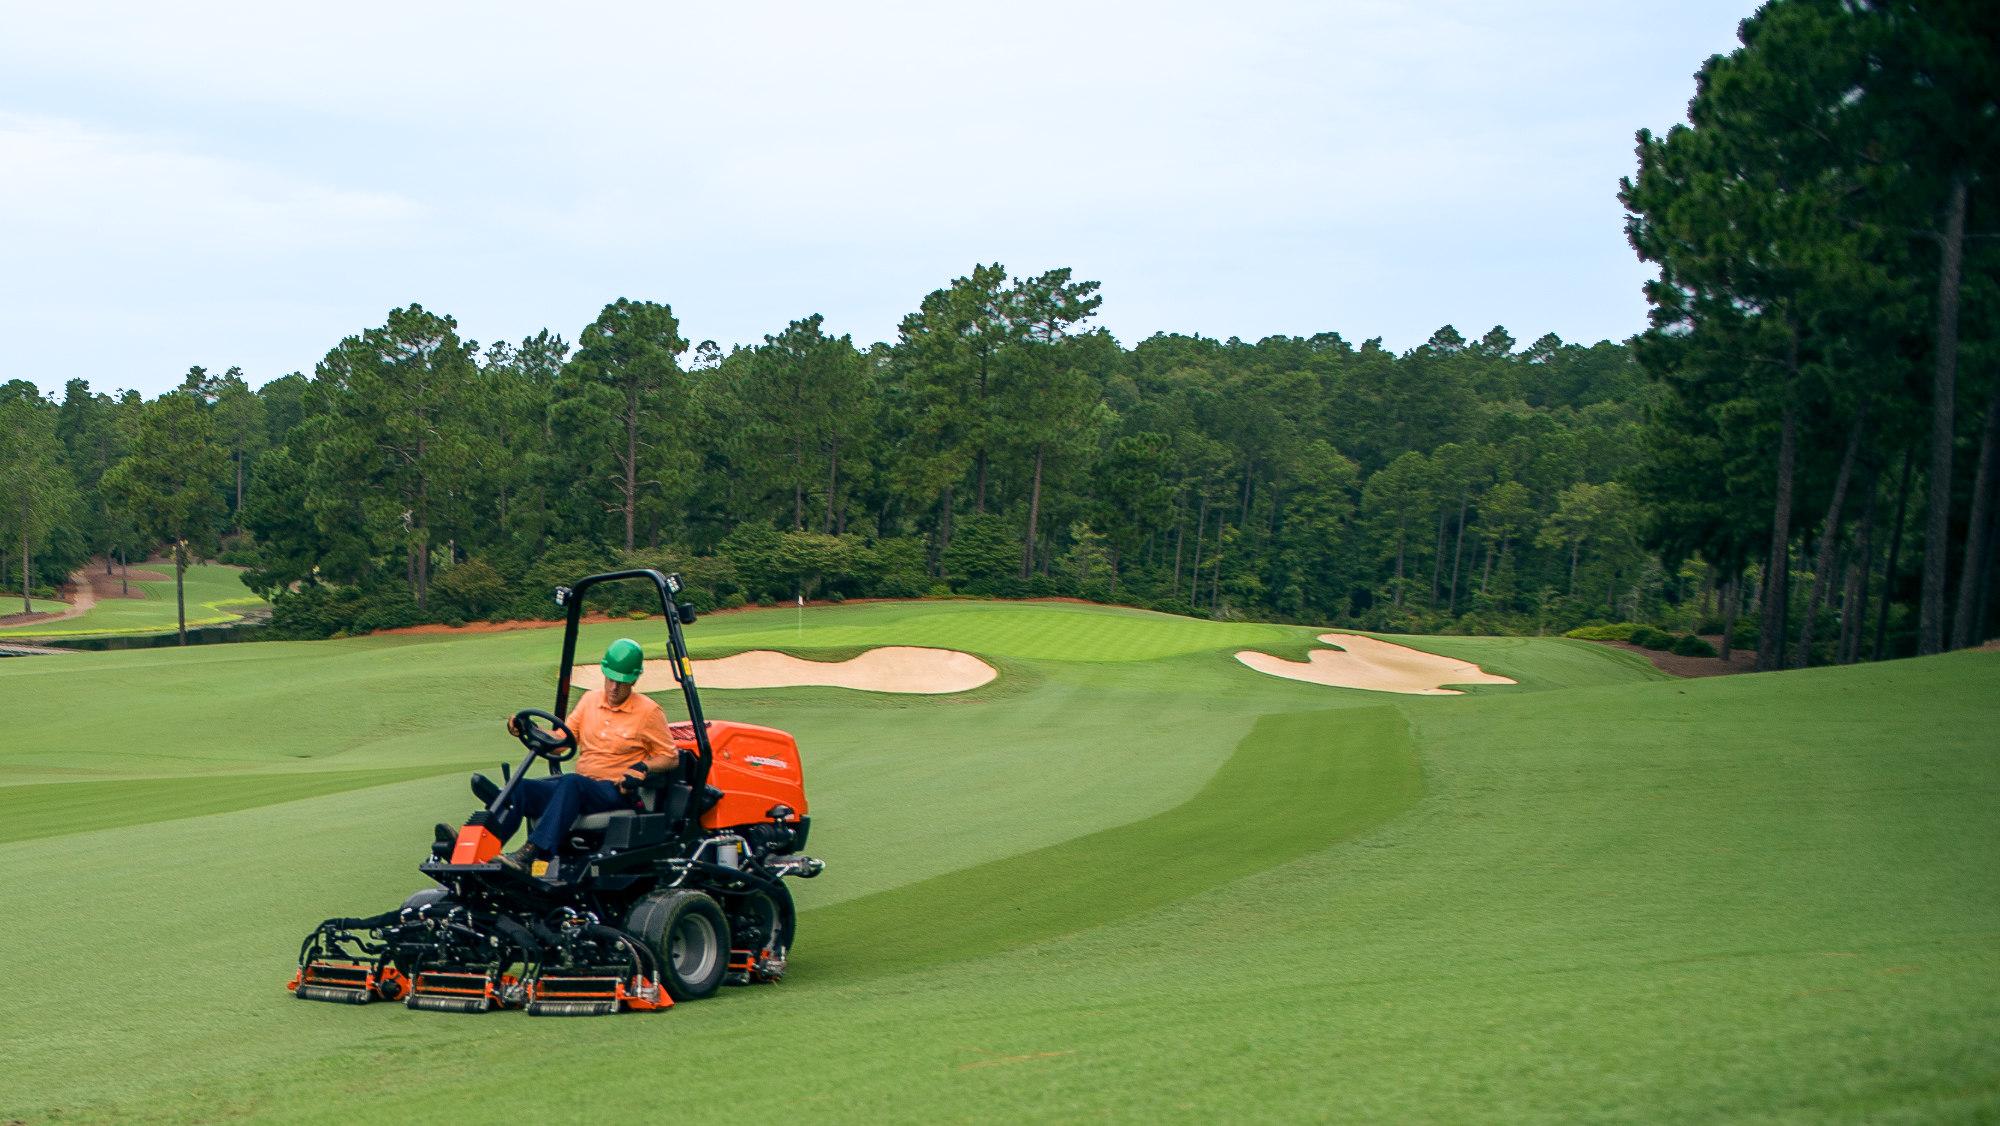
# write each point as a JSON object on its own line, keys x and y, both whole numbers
{"x": 659, "y": 807}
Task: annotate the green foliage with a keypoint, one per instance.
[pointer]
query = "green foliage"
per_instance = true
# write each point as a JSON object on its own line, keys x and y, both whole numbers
{"x": 1646, "y": 637}
{"x": 1809, "y": 225}
{"x": 167, "y": 485}
{"x": 473, "y": 588}
{"x": 613, "y": 409}
{"x": 984, "y": 555}
{"x": 1690, "y": 645}
{"x": 40, "y": 493}
{"x": 893, "y": 568}
{"x": 1621, "y": 631}
{"x": 534, "y": 594}
{"x": 998, "y": 447}
{"x": 792, "y": 407}
{"x": 1745, "y": 635}
{"x": 1087, "y": 565}
{"x": 392, "y": 448}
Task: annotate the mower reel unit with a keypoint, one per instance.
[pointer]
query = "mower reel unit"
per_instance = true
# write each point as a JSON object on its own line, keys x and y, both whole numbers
{"x": 637, "y": 910}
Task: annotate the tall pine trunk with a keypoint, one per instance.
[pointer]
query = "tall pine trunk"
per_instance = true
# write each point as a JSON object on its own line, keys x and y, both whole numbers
{"x": 1194, "y": 570}
{"x": 1944, "y": 393}
{"x": 1215, "y": 567}
{"x": 1981, "y": 613}
{"x": 798, "y": 484}
{"x": 1854, "y": 601}
{"x": 421, "y": 565}
{"x": 1966, "y": 624}
{"x": 1402, "y": 526}
{"x": 944, "y": 533}
{"x": 1437, "y": 563}
{"x": 631, "y": 463}
{"x": 832, "y": 482}
{"x": 1777, "y": 574}
{"x": 1034, "y": 516}
{"x": 1829, "y": 540}
{"x": 1730, "y": 587}
{"x": 180, "y": 588}
{"x": 1458, "y": 549}
{"x": 1895, "y": 557}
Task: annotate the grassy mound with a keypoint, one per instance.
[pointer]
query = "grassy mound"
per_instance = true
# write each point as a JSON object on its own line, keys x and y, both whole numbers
{"x": 1129, "y": 879}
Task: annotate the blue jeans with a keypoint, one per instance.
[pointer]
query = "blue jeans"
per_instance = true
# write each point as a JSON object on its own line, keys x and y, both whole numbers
{"x": 555, "y": 804}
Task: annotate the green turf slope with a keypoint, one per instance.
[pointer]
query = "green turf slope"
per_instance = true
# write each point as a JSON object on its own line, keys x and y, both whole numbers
{"x": 215, "y": 596}
{"x": 1108, "y": 885}
{"x": 1297, "y": 783}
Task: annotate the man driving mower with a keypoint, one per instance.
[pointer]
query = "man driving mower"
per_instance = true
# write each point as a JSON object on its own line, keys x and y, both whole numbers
{"x": 621, "y": 738}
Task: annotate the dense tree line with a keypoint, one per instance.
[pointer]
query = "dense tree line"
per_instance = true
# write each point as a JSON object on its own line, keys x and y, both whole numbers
{"x": 1000, "y": 445}
{"x": 1800, "y": 453}
{"x": 1823, "y": 324}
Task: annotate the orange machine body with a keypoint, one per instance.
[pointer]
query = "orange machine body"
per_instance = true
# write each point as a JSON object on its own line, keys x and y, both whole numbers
{"x": 755, "y": 767}
{"x": 475, "y": 845}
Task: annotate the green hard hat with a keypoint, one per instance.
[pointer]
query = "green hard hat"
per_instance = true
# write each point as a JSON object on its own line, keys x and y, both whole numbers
{"x": 623, "y": 661}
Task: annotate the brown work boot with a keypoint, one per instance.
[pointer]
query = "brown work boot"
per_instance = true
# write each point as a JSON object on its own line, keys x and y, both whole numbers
{"x": 521, "y": 860}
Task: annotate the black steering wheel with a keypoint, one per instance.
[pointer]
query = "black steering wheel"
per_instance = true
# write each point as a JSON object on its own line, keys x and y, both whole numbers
{"x": 557, "y": 744}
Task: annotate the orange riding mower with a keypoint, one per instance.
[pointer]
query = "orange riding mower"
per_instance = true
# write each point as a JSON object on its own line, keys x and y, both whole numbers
{"x": 638, "y": 909}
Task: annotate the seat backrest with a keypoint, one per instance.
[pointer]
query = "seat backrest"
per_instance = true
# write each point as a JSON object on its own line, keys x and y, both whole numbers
{"x": 673, "y": 801}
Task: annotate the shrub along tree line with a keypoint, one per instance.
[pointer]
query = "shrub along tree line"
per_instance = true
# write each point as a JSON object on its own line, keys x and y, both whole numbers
{"x": 1823, "y": 330}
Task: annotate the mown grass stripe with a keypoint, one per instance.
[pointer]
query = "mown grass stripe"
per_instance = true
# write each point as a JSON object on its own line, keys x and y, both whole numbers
{"x": 1296, "y": 783}
{"x": 57, "y": 808}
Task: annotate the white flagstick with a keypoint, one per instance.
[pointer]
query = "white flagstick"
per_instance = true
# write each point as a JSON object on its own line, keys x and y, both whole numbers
{"x": 802, "y": 615}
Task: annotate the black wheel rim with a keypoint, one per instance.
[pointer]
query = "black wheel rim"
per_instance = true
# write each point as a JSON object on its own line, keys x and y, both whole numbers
{"x": 692, "y": 948}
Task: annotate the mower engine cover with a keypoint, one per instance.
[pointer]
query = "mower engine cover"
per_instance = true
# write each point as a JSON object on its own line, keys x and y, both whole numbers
{"x": 756, "y": 768}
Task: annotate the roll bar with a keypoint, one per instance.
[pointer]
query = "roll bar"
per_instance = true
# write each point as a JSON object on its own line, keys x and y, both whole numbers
{"x": 676, "y": 612}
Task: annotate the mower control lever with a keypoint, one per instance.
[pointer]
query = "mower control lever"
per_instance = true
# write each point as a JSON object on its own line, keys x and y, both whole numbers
{"x": 556, "y": 744}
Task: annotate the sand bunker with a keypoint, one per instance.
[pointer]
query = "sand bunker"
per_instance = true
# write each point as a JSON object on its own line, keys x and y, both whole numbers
{"x": 1377, "y": 666}
{"x": 892, "y": 668}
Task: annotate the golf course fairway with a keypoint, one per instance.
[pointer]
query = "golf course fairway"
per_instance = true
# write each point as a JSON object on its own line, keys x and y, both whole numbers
{"x": 1128, "y": 879}
{"x": 214, "y": 592}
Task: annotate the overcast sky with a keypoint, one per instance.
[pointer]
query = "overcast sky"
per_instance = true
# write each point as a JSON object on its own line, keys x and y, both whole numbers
{"x": 246, "y": 184}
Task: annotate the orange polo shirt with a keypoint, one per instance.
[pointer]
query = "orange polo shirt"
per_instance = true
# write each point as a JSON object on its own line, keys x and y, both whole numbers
{"x": 612, "y": 739}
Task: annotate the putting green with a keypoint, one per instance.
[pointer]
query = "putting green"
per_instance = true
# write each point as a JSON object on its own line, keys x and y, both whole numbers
{"x": 1128, "y": 879}
{"x": 214, "y": 592}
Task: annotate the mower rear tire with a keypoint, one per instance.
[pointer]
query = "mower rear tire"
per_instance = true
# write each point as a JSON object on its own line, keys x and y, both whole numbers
{"x": 689, "y": 933}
